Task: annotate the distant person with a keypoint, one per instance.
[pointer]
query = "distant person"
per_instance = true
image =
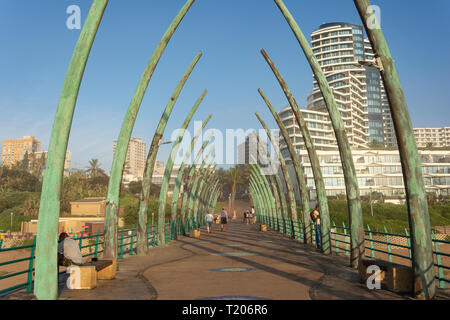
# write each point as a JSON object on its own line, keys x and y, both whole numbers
{"x": 69, "y": 252}
{"x": 223, "y": 219}
{"x": 209, "y": 221}
{"x": 315, "y": 217}
{"x": 253, "y": 215}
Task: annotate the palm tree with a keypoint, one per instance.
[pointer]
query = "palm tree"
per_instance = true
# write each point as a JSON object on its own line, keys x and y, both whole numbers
{"x": 94, "y": 168}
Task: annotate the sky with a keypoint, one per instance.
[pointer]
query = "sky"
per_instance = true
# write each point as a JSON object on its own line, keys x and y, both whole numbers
{"x": 36, "y": 47}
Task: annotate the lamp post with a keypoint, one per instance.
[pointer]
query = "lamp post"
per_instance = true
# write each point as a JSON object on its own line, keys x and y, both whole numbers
{"x": 229, "y": 202}
{"x": 12, "y": 213}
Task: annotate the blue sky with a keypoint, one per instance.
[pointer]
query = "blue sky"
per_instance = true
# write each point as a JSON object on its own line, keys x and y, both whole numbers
{"x": 36, "y": 48}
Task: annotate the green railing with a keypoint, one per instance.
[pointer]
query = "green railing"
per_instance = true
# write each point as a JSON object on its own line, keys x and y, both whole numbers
{"x": 340, "y": 242}
{"x": 92, "y": 245}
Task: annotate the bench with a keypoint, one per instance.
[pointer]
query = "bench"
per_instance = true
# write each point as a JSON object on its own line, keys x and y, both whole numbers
{"x": 394, "y": 277}
{"x": 92, "y": 271}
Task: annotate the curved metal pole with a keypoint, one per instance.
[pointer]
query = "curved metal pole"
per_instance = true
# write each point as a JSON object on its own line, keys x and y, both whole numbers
{"x": 206, "y": 188}
{"x": 348, "y": 167}
{"x": 187, "y": 156}
{"x": 269, "y": 192}
{"x": 273, "y": 199}
{"x": 205, "y": 177}
{"x": 313, "y": 158}
{"x": 286, "y": 175}
{"x": 280, "y": 190}
{"x": 262, "y": 200}
{"x": 193, "y": 192}
{"x": 307, "y": 232}
{"x": 259, "y": 184}
{"x": 215, "y": 190}
{"x": 256, "y": 202}
{"x": 46, "y": 280}
{"x": 189, "y": 182}
{"x": 168, "y": 171}
{"x": 142, "y": 246}
{"x": 419, "y": 220}
{"x": 112, "y": 199}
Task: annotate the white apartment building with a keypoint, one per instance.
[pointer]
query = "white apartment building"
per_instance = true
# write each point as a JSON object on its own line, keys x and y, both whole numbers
{"x": 66, "y": 161}
{"x": 136, "y": 158}
{"x": 436, "y": 137}
{"x": 378, "y": 171}
{"x": 358, "y": 90}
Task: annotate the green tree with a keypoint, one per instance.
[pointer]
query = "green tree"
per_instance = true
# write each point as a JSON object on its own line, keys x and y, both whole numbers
{"x": 94, "y": 168}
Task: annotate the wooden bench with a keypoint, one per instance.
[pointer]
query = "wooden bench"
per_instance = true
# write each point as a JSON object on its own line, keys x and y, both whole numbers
{"x": 394, "y": 277}
{"x": 92, "y": 271}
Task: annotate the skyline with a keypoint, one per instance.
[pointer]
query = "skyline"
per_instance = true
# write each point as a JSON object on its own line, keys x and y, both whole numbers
{"x": 39, "y": 71}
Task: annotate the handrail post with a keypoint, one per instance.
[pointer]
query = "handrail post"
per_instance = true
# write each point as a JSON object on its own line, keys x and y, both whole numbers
{"x": 409, "y": 242}
{"x": 153, "y": 235}
{"x": 121, "y": 245}
{"x": 130, "y": 252}
{"x": 346, "y": 239}
{"x": 96, "y": 244}
{"x": 30, "y": 267}
{"x": 438, "y": 262}
{"x": 336, "y": 243}
{"x": 372, "y": 252}
{"x": 388, "y": 244}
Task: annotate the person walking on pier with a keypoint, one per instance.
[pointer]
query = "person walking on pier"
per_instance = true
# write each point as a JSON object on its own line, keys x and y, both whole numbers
{"x": 209, "y": 221}
{"x": 252, "y": 215}
{"x": 315, "y": 217}
{"x": 223, "y": 219}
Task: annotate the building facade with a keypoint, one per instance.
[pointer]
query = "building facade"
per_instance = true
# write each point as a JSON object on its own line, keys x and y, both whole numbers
{"x": 347, "y": 60}
{"x": 435, "y": 137}
{"x": 14, "y": 151}
{"x": 41, "y": 154}
{"x": 378, "y": 171}
{"x": 136, "y": 158}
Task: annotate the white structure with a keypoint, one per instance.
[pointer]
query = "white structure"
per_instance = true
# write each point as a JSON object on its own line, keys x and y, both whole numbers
{"x": 378, "y": 171}
{"x": 437, "y": 137}
{"x": 66, "y": 161}
{"x": 135, "y": 160}
{"x": 347, "y": 61}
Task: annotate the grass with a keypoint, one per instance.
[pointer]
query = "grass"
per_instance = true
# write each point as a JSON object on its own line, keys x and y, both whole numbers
{"x": 3, "y": 273}
{"x": 394, "y": 217}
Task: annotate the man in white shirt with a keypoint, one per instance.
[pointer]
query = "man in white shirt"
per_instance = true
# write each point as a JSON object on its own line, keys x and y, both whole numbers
{"x": 209, "y": 221}
{"x": 69, "y": 252}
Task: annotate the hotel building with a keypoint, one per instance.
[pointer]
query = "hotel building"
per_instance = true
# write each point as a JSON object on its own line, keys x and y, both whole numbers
{"x": 436, "y": 137}
{"x": 14, "y": 151}
{"x": 136, "y": 158}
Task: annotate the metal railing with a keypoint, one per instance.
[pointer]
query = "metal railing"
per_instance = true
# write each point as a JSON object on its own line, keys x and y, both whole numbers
{"x": 92, "y": 245}
{"x": 376, "y": 240}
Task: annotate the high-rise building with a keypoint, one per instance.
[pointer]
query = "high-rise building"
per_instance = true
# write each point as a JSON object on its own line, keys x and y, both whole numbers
{"x": 136, "y": 157}
{"x": 41, "y": 154}
{"x": 348, "y": 63}
{"x": 250, "y": 150}
{"x": 14, "y": 151}
{"x": 435, "y": 137}
{"x": 339, "y": 48}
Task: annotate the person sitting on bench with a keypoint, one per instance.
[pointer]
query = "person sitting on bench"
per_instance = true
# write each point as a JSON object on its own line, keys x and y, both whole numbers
{"x": 68, "y": 251}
